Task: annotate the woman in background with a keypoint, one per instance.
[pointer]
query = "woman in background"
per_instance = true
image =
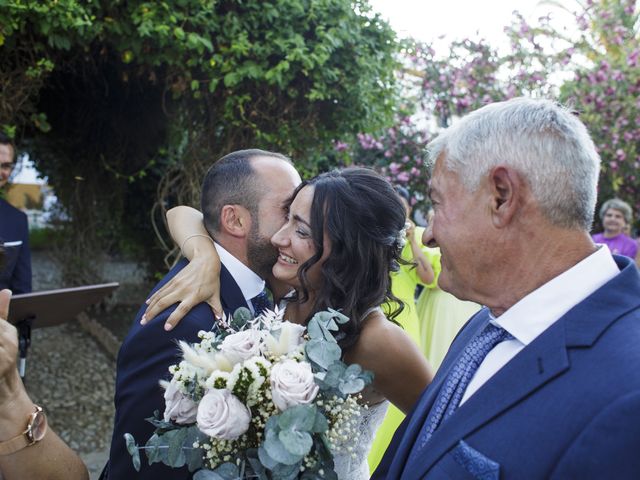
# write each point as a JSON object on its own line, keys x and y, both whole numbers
{"x": 417, "y": 268}
{"x": 616, "y": 216}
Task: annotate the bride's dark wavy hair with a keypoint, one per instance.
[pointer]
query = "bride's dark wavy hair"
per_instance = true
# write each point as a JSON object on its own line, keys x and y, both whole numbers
{"x": 362, "y": 215}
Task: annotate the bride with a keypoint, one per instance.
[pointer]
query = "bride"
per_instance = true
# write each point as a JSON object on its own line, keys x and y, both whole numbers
{"x": 341, "y": 239}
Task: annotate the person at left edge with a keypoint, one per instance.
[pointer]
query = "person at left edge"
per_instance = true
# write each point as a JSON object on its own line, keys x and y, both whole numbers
{"x": 243, "y": 197}
{"x": 15, "y": 272}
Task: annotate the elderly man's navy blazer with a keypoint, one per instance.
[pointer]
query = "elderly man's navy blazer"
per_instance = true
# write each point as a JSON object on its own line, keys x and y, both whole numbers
{"x": 143, "y": 360}
{"x": 566, "y": 406}
{"x": 15, "y": 268}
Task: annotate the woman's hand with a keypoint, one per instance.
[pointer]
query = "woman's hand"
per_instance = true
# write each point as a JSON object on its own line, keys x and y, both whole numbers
{"x": 197, "y": 282}
{"x": 9, "y": 378}
{"x": 410, "y": 229}
{"x": 424, "y": 268}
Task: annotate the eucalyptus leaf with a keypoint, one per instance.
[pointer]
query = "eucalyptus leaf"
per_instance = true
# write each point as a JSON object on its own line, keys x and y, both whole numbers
{"x": 259, "y": 469}
{"x": 353, "y": 370}
{"x": 265, "y": 459}
{"x": 300, "y": 417}
{"x": 207, "y": 475}
{"x": 276, "y": 449}
{"x": 240, "y": 318}
{"x": 320, "y": 424}
{"x": 296, "y": 442}
{"x": 132, "y": 448}
{"x": 156, "y": 449}
{"x": 338, "y": 317}
{"x": 326, "y": 319}
{"x": 322, "y": 353}
{"x": 351, "y": 386}
{"x": 158, "y": 422}
{"x": 335, "y": 373}
{"x": 286, "y": 472}
{"x": 193, "y": 456}
{"x": 175, "y": 454}
{"x": 228, "y": 471}
{"x": 314, "y": 330}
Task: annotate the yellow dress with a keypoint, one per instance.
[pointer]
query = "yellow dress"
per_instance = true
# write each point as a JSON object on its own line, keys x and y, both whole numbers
{"x": 403, "y": 286}
{"x": 441, "y": 316}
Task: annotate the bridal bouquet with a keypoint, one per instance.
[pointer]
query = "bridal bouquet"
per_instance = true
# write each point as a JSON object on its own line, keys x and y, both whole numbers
{"x": 260, "y": 398}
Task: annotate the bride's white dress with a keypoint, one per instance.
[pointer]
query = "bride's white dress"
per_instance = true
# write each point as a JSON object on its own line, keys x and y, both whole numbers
{"x": 354, "y": 466}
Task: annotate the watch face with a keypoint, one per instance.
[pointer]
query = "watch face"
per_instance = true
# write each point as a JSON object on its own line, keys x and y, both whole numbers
{"x": 38, "y": 427}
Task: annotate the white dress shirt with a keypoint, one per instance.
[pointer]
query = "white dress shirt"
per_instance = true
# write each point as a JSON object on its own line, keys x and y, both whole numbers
{"x": 540, "y": 309}
{"x": 249, "y": 282}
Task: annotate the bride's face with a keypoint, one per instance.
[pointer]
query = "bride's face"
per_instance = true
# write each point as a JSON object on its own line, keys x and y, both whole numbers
{"x": 295, "y": 244}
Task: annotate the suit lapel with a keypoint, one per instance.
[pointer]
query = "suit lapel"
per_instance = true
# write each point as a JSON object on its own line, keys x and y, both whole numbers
{"x": 416, "y": 421}
{"x": 543, "y": 360}
{"x": 230, "y": 294}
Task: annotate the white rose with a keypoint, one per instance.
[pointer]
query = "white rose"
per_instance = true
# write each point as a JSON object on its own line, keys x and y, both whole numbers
{"x": 292, "y": 384}
{"x": 178, "y": 407}
{"x": 222, "y": 415}
{"x": 291, "y": 337}
{"x": 243, "y": 345}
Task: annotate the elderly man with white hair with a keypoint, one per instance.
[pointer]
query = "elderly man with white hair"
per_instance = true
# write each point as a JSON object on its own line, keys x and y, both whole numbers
{"x": 543, "y": 382}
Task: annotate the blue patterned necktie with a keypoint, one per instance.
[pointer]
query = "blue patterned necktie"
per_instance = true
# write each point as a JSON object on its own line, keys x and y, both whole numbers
{"x": 262, "y": 302}
{"x": 457, "y": 381}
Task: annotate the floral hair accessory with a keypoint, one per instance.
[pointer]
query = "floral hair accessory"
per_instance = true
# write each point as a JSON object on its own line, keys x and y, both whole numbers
{"x": 401, "y": 238}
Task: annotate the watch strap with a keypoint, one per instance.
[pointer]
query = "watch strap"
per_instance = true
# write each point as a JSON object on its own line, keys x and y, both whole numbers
{"x": 23, "y": 440}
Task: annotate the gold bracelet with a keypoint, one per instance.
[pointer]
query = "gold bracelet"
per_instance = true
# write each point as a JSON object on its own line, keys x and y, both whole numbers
{"x": 194, "y": 235}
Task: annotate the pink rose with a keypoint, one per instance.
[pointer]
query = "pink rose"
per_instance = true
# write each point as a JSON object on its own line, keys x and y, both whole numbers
{"x": 292, "y": 383}
{"x": 178, "y": 407}
{"x": 242, "y": 346}
{"x": 222, "y": 415}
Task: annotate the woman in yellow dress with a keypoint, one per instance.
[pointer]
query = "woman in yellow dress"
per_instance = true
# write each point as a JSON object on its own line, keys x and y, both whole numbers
{"x": 421, "y": 269}
{"x": 440, "y": 315}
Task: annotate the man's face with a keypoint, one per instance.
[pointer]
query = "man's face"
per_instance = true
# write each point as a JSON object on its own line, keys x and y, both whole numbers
{"x": 280, "y": 180}
{"x": 6, "y": 163}
{"x": 460, "y": 227}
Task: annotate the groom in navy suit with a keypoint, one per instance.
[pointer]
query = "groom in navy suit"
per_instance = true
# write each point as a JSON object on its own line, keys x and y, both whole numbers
{"x": 243, "y": 195}
{"x": 543, "y": 382}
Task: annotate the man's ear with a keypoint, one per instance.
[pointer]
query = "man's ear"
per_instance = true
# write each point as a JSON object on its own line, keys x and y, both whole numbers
{"x": 235, "y": 220}
{"x": 507, "y": 187}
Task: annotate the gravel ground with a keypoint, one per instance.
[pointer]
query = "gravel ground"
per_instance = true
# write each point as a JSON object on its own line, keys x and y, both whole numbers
{"x": 73, "y": 379}
{"x": 71, "y": 374}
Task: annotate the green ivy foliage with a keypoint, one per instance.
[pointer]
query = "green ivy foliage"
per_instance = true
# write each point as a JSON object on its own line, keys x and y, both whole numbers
{"x": 124, "y": 104}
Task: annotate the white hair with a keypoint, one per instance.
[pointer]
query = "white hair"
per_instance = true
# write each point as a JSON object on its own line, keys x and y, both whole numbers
{"x": 542, "y": 140}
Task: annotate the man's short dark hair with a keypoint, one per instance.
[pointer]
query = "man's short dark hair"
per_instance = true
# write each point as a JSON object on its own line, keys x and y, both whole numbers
{"x": 6, "y": 140}
{"x": 233, "y": 181}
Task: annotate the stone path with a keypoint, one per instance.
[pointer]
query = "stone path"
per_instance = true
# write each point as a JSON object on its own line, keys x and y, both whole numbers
{"x": 71, "y": 374}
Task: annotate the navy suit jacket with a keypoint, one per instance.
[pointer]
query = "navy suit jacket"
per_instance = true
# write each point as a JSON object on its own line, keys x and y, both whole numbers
{"x": 143, "y": 360}
{"x": 566, "y": 406}
{"x": 15, "y": 267}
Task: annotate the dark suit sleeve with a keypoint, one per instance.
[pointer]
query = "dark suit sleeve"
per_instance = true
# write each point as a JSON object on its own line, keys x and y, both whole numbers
{"x": 608, "y": 446}
{"x": 21, "y": 279}
{"x": 143, "y": 360}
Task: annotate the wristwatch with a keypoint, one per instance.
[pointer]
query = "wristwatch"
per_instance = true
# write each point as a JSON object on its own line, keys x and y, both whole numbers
{"x": 36, "y": 430}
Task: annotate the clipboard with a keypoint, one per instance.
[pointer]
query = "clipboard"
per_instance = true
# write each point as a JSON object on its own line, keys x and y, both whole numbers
{"x": 49, "y": 308}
